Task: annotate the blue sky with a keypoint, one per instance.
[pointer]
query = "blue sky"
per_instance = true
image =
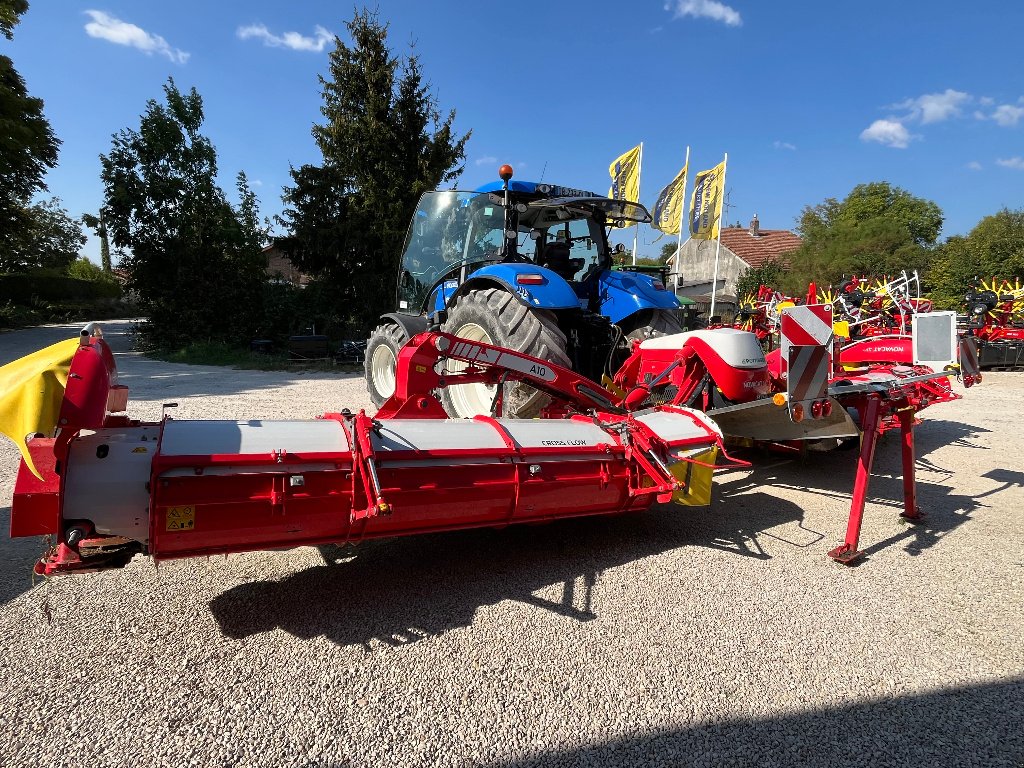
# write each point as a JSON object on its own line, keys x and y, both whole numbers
{"x": 808, "y": 98}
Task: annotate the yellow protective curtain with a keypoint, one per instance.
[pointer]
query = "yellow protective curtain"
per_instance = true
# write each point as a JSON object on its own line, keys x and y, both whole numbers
{"x": 31, "y": 392}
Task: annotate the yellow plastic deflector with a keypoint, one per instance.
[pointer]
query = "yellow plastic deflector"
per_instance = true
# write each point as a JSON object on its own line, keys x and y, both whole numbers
{"x": 841, "y": 328}
{"x": 697, "y": 479}
{"x": 31, "y": 391}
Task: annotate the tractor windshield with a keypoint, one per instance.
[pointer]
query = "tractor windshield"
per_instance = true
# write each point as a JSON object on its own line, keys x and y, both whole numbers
{"x": 449, "y": 229}
{"x": 452, "y": 228}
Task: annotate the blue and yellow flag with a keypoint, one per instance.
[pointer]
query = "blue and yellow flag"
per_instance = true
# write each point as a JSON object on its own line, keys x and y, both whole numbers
{"x": 706, "y": 205}
{"x": 625, "y": 173}
{"x": 668, "y": 210}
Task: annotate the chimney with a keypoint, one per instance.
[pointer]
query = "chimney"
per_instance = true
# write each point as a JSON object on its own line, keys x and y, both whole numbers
{"x": 755, "y": 227}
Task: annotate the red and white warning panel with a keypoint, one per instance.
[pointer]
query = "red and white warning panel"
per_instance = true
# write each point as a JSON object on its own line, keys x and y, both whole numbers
{"x": 806, "y": 340}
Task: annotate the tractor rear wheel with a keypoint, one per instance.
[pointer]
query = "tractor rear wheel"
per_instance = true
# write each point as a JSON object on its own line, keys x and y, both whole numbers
{"x": 651, "y": 323}
{"x": 381, "y": 360}
{"x": 495, "y": 316}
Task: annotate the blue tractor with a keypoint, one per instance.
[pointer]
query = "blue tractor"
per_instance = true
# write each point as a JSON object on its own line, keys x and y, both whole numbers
{"x": 525, "y": 266}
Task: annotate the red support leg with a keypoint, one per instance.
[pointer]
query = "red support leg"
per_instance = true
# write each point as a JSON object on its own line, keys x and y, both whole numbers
{"x": 911, "y": 513}
{"x": 847, "y": 552}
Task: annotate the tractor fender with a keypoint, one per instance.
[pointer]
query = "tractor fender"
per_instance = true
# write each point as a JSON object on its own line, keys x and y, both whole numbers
{"x": 553, "y": 293}
{"x": 411, "y": 324}
{"x": 625, "y": 293}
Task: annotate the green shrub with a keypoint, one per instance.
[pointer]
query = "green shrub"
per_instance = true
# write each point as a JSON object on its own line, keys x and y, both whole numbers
{"x": 51, "y": 286}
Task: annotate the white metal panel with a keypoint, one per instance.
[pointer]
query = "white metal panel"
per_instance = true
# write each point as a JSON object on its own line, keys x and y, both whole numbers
{"x": 107, "y": 473}
{"x": 205, "y": 438}
{"x": 434, "y": 434}
{"x": 740, "y": 349}
{"x": 550, "y": 433}
{"x": 672, "y": 427}
{"x": 934, "y": 339}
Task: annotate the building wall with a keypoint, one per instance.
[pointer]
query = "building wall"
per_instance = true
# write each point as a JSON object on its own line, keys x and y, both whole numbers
{"x": 697, "y": 268}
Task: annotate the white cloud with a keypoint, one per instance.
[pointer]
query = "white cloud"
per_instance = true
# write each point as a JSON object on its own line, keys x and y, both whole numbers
{"x": 1017, "y": 163}
{"x": 106, "y": 27}
{"x": 489, "y": 160}
{"x": 321, "y": 37}
{"x": 706, "y": 9}
{"x": 890, "y": 133}
{"x": 1007, "y": 115}
{"x": 935, "y": 107}
{"x": 785, "y": 145}
{"x": 986, "y": 101}
{"x": 974, "y": 165}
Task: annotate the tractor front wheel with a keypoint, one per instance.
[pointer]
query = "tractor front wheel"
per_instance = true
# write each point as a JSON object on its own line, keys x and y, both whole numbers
{"x": 381, "y": 360}
{"x": 494, "y": 316}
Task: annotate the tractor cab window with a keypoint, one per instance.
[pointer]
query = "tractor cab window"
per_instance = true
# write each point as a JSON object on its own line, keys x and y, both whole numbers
{"x": 571, "y": 249}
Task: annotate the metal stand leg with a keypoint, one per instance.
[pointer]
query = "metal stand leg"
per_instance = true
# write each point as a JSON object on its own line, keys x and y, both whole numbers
{"x": 911, "y": 513}
{"x": 847, "y": 552}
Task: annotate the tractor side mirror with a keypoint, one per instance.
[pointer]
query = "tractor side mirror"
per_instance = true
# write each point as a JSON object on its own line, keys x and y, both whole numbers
{"x": 619, "y": 249}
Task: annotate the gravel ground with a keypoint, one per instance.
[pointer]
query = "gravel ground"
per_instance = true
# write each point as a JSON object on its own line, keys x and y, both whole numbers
{"x": 675, "y": 637}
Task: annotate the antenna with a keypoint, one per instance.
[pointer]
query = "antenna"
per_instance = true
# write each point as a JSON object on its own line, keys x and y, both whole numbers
{"x": 542, "y": 172}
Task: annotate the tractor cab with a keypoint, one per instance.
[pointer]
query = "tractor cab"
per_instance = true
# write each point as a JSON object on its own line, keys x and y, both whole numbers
{"x": 453, "y": 233}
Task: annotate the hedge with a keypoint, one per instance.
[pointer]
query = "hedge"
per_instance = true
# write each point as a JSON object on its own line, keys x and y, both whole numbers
{"x": 51, "y": 287}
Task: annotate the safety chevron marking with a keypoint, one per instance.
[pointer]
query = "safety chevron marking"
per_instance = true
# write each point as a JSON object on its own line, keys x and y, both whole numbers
{"x": 808, "y": 373}
{"x": 808, "y": 325}
{"x": 969, "y": 357}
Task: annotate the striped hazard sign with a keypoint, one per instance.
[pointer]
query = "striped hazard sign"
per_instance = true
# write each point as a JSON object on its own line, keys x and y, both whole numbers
{"x": 808, "y": 374}
{"x": 808, "y": 325}
{"x": 806, "y": 339}
{"x": 969, "y": 356}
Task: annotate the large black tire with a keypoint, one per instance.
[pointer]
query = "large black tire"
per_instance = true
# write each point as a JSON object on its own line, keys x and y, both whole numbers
{"x": 381, "y": 357}
{"x": 651, "y": 323}
{"x": 495, "y": 316}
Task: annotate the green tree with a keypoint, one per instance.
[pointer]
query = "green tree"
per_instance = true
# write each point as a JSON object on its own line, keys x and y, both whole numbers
{"x": 28, "y": 147}
{"x": 771, "y": 273}
{"x": 97, "y": 224}
{"x": 877, "y": 229}
{"x": 993, "y": 249}
{"x": 51, "y": 239}
{"x": 384, "y": 143}
{"x": 193, "y": 258}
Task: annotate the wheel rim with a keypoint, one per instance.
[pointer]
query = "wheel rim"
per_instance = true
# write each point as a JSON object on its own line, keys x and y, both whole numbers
{"x": 469, "y": 400}
{"x": 382, "y": 369}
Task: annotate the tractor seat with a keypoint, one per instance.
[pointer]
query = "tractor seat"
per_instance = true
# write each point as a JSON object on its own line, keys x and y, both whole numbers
{"x": 555, "y": 257}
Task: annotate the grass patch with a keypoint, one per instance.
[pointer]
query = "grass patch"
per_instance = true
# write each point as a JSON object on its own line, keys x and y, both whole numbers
{"x": 215, "y": 353}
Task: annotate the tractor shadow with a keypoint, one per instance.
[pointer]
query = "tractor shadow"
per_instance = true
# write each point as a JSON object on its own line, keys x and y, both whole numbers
{"x": 402, "y": 590}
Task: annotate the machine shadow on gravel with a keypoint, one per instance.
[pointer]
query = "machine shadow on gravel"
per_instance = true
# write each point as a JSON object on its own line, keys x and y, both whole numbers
{"x": 827, "y": 475}
{"x": 17, "y": 556}
{"x": 973, "y": 725}
{"x": 402, "y": 590}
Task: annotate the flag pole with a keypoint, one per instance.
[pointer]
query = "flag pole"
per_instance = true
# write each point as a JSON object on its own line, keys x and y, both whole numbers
{"x": 718, "y": 248}
{"x": 639, "y": 169}
{"x": 682, "y": 218}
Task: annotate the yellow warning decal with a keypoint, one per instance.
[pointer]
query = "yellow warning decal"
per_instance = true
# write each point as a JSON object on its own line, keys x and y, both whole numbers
{"x": 181, "y": 518}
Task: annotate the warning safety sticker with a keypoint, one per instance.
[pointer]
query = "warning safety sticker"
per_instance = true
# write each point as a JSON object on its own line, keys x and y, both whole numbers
{"x": 181, "y": 518}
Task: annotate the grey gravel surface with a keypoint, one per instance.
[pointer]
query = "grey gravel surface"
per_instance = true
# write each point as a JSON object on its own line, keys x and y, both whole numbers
{"x": 712, "y": 637}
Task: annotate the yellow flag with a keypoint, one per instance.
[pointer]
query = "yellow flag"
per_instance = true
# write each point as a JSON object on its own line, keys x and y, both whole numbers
{"x": 31, "y": 391}
{"x": 706, "y": 205}
{"x": 625, "y": 173}
{"x": 668, "y": 209}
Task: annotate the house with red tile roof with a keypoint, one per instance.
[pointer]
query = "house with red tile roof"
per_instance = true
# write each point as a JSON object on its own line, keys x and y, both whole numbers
{"x": 693, "y": 265}
{"x": 280, "y": 268}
